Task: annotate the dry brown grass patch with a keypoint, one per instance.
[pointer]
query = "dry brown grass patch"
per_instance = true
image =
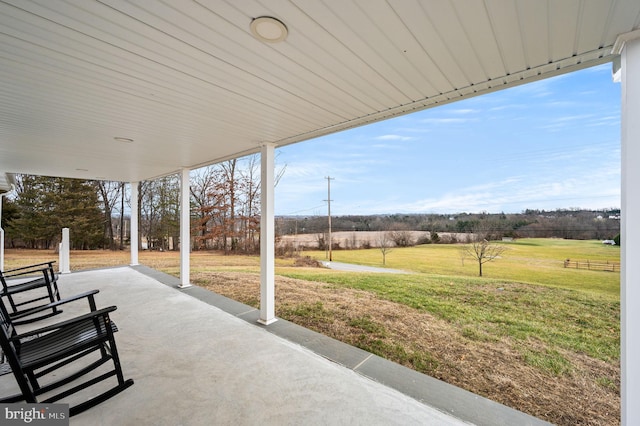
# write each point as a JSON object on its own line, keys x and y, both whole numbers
{"x": 494, "y": 369}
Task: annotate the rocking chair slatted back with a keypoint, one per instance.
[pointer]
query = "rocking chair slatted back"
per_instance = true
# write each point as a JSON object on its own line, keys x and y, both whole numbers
{"x": 40, "y": 280}
{"x": 36, "y": 354}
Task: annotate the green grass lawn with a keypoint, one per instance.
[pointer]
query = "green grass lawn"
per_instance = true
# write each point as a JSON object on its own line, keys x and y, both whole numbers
{"x": 534, "y": 261}
{"x": 488, "y": 309}
{"x": 526, "y": 295}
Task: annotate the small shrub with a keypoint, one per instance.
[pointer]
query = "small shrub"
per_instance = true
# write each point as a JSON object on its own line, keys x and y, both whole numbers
{"x": 402, "y": 238}
{"x": 286, "y": 250}
{"x": 307, "y": 262}
{"x": 424, "y": 239}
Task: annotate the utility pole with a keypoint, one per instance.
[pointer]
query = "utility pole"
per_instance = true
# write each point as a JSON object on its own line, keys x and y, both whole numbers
{"x": 328, "y": 200}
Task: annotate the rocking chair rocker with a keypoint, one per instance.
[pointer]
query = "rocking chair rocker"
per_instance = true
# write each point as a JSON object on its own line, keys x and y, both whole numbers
{"x": 35, "y": 354}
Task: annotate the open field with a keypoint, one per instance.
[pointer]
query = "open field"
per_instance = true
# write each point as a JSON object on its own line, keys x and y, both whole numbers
{"x": 533, "y": 260}
{"x": 547, "y": 346}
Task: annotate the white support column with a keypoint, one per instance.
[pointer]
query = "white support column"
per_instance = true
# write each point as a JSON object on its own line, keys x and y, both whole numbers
{"x": 135, "y": 238}
{"x": 628, "y": 45}
{"x": 63, "y": 254}
{"x": 267, "y": 236}
{"x": 185, "y": 229}
{"x": 1, "y": 237}
{"x": 1, "y": 245}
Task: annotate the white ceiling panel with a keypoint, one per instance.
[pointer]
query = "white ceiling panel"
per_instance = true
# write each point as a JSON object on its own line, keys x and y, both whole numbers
{"x": 534, "y": 26}
{"x": 476, "y": 26}
{"x": 506, "y": 27}
{"x": 563, "y": 24}
{"x": 188, "y": 82}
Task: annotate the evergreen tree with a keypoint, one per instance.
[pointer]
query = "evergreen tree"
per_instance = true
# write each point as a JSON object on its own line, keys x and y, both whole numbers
{"x": 76, "y": 205}
{"x": 46, "y": 205}
{"x": 32, "y": 224}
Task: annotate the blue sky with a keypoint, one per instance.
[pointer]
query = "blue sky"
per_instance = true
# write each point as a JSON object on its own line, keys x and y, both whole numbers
{"x": 547, "y": 145}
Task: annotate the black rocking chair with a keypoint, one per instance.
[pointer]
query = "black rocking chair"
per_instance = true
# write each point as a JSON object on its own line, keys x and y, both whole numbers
{"x": 35, "y": 354}
{"x": 40, "y": 280}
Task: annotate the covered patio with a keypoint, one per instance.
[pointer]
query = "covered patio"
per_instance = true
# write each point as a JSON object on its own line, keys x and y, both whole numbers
{"x": 198, "y": 358}
{"x": 131, "y": 91}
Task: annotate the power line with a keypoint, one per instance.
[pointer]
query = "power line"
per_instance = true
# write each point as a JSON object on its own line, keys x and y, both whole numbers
{"x": 303, "y": 210}
{"x": 328, "y": 200}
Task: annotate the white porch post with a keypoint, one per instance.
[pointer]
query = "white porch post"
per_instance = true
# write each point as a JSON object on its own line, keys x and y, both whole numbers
{"x": 63, "y": 255}
{"x": 1, "y": 237}
{"x": 185, "y": 229}
{"x": 267, "y": 236}
{"x": 133, "y": 229}
{"x": 628, "y": 45}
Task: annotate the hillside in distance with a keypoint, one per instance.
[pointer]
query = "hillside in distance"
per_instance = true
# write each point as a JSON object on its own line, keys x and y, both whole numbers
{"x": 576, "y": 224}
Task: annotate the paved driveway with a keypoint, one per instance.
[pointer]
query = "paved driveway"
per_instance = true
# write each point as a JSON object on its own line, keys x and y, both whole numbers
{"x": 338, "y": 266}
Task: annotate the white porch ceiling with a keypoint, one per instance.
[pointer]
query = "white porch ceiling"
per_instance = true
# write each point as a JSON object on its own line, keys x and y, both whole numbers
{"x": 191, "y": 86}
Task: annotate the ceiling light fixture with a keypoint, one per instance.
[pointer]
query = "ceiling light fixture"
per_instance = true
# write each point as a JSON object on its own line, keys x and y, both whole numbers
{"x": 125, "y": 140}
{"x": 268, "y": 29}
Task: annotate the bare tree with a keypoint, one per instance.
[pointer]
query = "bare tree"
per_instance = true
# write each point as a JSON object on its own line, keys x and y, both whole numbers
{"x": 227, "y": 201}
{"x": 204, "y": 196}
{"x": 123, "y": 198}
{"x": 159, "y": 209}
{"x": 481, "y": 248}
{"x": 110, "y": 193}
{"x": 230, "y": 199}
{"x": 463, "y": 254}
{"x": 250, "y": 214}
{"x": 385, "y": 244}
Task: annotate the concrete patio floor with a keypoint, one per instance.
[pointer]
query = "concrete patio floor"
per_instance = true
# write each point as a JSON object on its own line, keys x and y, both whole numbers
{"x": 198, "y": 358}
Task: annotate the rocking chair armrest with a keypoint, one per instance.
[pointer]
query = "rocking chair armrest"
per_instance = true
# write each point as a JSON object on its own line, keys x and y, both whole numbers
{"x": 87, "y": 294}
{"x": 9, "y": 272}
{"x": 104, "y": 312}
{"x": 24, "y": 286}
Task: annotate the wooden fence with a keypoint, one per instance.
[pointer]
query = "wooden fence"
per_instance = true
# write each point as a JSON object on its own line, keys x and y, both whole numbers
{"x": 594, "y": 266}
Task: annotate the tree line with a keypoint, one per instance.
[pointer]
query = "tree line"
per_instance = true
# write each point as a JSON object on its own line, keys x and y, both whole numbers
{"x": 224, "y": 206}
{"x": 225, "y": 214}
{"x": 579, "y": 224}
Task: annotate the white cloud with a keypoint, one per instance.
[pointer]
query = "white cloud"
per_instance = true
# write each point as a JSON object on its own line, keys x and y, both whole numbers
{"x": 415, "y": 129}
{"x": 576, "y": 117}
{"x": 394, "y": 138}
{"x": 562, "y": 122}
{"x": 299, "y": 169}
{"x": 508, "y": 107}
{"x": 445, "y": 120}
{"x": 464, "y": 111}
{"x": 517, "y": 193}
{"x": 606, "y": 120}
